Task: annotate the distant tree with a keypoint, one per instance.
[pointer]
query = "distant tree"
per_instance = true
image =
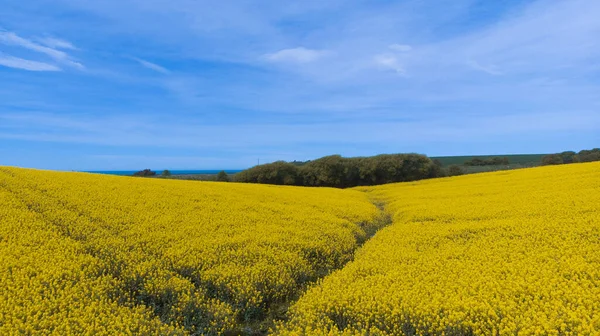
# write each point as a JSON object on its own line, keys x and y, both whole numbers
{"x": 166, "y": 173}
{"x": 328, "y": 171}
{"x": 336, "y": 171}
{"x": 569, "y": 157}
{"x": 340, "y": 172}
{"x": 222, "y": 176}
{"x": 299, "y": 163}
{"x": 144, "y": 173}
{"x": 436, "y": 169}
{"x": 494, "y": 161}
{"x": 586, "y": 155}
{"x": 414, "y": 167}
{"x": 475, "y": 162}
{"x": 455, "y": 170}
{"x": 279, "y": 172}
{"x": 552, "y": 159}
{"x": 497, "y": 161}
{"x": 589, "y": 155}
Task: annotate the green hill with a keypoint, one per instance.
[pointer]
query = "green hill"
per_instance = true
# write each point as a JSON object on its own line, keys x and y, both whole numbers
{"x": 521, "y": 159}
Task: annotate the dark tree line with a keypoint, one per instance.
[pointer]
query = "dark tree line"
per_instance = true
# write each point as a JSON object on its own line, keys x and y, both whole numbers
{"x": 151, "y": 173}
{"x": 572, "y": 157}
{"x": 222, "y": 177}
{"x": 495, "y": 161}
{"x": 340, "y": 172}
{"x": 145, "y": 173}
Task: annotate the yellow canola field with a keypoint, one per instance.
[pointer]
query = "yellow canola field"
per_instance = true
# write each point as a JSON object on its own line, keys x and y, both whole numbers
{"x": 505, "y": 253}
{"x": 104, "y": 255}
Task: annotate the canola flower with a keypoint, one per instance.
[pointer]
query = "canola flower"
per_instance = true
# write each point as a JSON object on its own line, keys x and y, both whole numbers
{"x": 105, "y": 255}
{"x": 504, "y": 253}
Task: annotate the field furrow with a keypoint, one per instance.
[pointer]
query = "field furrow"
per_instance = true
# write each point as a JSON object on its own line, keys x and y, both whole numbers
{"x": 501, "y": 253}
{"x": 200, "y": 257}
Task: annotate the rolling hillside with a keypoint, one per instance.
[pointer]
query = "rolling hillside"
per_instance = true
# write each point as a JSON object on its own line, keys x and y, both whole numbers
{"x": 84, "y": 253}
{"x": 504, "y": 253}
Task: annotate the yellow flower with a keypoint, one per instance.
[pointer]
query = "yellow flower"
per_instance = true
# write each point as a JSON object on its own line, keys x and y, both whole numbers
{"x": 493, "y": 254}
{"x": 105, "y": 255}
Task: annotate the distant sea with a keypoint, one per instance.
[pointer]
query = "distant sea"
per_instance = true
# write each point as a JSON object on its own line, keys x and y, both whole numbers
{"x": 173, "y": 172}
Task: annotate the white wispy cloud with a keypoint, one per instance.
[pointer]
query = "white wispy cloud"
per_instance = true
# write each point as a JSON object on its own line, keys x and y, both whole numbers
{"x": 57, "y": 43}
{"x": 10, "y": 38}
{"x": 543, "y": 55}
{"x": 152, "y": 66}
{"x": 296, "y": 55}
{"x": 389, "y": 62}
{"x": 24, "y": 64}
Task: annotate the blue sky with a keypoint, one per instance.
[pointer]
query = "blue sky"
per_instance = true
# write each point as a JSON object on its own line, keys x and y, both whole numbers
{"x": 128, "y": 84}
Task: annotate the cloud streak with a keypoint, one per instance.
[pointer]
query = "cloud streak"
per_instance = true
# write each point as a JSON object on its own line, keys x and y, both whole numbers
{"x": 152, "y": 66}
{"x": 57, "y": 43}
{"x": 309, "y": 77}
{"x": 296, "y": 55}
{"x": 10, "y": 38}
{"x": 24, "y": 64}
{"x": 391, "y": 62}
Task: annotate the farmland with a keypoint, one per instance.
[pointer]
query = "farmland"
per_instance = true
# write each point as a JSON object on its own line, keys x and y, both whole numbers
{"x": 512, "y": 252}
{"x": 505, "y": 253}
{"x": 84, "y": 253}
